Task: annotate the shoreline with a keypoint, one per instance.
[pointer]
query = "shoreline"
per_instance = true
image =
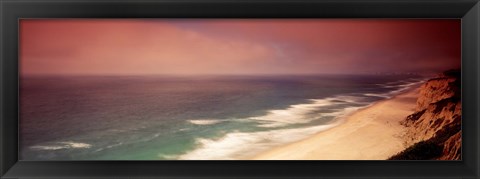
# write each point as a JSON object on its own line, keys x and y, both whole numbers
{"x": 371, "y": 133}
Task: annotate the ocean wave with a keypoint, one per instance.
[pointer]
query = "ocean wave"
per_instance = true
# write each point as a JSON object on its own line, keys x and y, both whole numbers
{"x": 167, "y": 157}
{"x": 297, "y": 113}
{"x": 62, "y": 145}
{"x": 400, "y": 87}
{"x": 377, "y": 95}
{"x": 239, "y": 145}
{"x": 401, "y": 83}
{"x": 205, "y": 121}
{"x": 142, "y": 139}
{"x": 302, "y": 113}
{"x": 404, "y": 87}
{"x": 349, "y": 99}
{"x": 109, "y": 147}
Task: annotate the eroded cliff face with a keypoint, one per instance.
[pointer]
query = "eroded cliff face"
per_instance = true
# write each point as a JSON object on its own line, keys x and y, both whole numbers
{"x": 452, "y": 149}
{"x": 435, "y": 127}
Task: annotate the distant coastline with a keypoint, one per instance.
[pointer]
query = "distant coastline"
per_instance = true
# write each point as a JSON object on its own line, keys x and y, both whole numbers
{"x": 422, "y": 123}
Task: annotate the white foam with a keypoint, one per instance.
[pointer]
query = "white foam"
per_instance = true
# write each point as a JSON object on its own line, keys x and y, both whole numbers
{"x": 349, "y": 99}
{"x": 40, "y": 147}
{"x": 238, "y": 145}
{"x": 62, "y": 145}
{"x": 302, "y": 113}
{"x": 402, "y": 87}
{"x": 205, "y": 121}
{"x": 77, "y": 145}
{"x": 109, "y": 146}
{"x": 297, "y": 113}
{"x": 168, "y": 157}
{"x": 377, "y": 95}
{"x": 405, "y": 87}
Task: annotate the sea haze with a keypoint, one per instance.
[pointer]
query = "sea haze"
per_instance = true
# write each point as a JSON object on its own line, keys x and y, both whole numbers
{"x": 173, "y": 117}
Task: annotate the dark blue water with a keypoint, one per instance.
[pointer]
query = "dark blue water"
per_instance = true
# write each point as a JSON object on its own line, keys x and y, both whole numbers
{"x": 168, "y": 117}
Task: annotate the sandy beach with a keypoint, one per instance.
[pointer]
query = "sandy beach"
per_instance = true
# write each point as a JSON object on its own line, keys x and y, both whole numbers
{"x": 372, "y": 133}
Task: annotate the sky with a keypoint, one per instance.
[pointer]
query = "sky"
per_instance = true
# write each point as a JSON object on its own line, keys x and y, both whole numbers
{"x": 237, "y": 46}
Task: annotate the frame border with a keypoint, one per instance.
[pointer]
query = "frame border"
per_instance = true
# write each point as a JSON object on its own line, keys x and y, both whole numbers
{"x": 12, "y": 10}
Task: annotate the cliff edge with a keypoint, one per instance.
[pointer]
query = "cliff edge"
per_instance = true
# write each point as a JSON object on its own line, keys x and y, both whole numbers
{"x": 434, "y": 130}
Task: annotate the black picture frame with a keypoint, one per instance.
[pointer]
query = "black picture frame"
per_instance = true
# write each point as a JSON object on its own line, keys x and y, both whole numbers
{"x": 12, "y": 10}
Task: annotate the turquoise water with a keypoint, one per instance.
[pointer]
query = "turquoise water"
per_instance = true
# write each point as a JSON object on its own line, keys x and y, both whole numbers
{"x": 171, "y": 117}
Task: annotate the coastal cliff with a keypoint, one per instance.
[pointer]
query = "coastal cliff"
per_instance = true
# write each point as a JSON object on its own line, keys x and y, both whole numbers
{"x": 434, "y": 129}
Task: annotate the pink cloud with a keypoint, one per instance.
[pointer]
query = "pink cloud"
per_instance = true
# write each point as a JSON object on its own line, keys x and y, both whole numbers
{"x": 237, "y": 46}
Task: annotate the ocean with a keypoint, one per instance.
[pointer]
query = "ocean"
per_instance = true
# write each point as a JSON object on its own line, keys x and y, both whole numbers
{"x": 186, "y": 117}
